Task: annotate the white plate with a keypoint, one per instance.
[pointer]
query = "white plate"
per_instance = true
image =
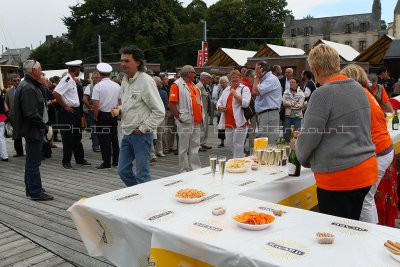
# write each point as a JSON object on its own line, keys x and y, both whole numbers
{"x": 244, "y": 160}
{"x": 190, "y": 200}
{"x": 253, "y": 227}
{"x": 394, "y": 256}
{"x": 236, "y": 170}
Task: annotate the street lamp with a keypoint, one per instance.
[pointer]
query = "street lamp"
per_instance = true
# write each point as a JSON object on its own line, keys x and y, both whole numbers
{"x": 203, "y": 46}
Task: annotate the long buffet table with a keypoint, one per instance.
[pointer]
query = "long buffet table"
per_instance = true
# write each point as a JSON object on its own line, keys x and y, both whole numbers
{"x": 144, "y": 225}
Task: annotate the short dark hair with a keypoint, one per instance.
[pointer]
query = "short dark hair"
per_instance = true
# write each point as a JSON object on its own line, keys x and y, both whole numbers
{"x": 275, "y": 67}
{"x": 264, "y": 65}
{"x": 308, "y": 74}
{"x": 297, "y": 80}
{"x": 381, "y": 70}
{"x": 137, "y": 54}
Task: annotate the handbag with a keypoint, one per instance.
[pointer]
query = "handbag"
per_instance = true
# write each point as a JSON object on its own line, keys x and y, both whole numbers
{"x": 249, "y": 112}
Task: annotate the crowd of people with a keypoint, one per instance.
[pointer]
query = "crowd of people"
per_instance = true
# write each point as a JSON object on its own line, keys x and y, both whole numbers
{"x": 342, "y": 136}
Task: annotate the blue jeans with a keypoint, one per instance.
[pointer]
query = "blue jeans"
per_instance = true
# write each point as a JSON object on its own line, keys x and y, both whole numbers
{"x": 33, "y": 180}
{"x": 135, "y": 147}
{"x": 95, "y": 139}
{"x": 296, "y": 121}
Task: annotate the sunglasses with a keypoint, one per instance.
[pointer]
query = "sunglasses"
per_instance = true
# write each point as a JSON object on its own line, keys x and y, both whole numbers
{"x": 16, "y": 80}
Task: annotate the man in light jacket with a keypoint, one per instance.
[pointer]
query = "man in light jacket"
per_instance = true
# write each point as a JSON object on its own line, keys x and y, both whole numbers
{"x": 141, "y": 112}
{"x": 185, "y": 104}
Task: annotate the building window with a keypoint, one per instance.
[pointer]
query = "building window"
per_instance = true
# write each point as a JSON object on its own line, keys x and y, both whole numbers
{"x": 293, "y": 33}
{"x": 362, "y": 45}
{"x": 306, "y": 46}
{"x": 363, "y": 27}
{"x": 348, "y": 43}
{"x": 348, "y": 28}
{"x": 306, "y": 31}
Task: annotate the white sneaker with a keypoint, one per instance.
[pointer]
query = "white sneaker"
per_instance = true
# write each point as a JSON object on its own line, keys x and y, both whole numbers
{"x": 160, "y": 154}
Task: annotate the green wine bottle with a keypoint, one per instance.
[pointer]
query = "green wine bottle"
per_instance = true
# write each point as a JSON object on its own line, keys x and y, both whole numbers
{"x": 293, "y": 164}
{"x": 395, "y": 121}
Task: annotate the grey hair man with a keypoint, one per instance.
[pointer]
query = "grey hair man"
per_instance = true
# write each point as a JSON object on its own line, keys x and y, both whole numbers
{"x": 186, "y": 106}
{"x": 9, "y": 100}
{"x": 379, "y": 92}
{"x": 88, "y": 109}
{"x": 30, "y": 118}
{"x": 159, "y": 149}
{"x": 285, "y": 81}
{"x": 204, "y": 87}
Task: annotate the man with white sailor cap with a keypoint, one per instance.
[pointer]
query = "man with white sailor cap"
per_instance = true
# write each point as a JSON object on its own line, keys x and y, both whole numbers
{"x": 66, "y": 94}
{"x": 106, "y": 95}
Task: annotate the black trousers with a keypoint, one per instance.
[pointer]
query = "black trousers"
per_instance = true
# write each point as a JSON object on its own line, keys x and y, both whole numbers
{"x": 346, "y": 204}
{"x": 106, "y": 130}
{"x": 70, "y": 129}
{"x": 19, "y": 149}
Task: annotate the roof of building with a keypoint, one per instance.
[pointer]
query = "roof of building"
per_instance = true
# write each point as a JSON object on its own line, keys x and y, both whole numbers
{"x": 15, "y": 56}
{"x": 230, "y": 57}
{"x": 394, "y": 50}
{"x": 376, "y": 52}
{"x": 346, "y": 52}
{"x": 330, "y": 25}
{"x": 269, "y": 50}
{"x": 397, "y": 8}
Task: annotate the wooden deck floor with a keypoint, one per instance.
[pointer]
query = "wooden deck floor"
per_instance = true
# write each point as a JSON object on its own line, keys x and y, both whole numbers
{"x": 42, "y": 233}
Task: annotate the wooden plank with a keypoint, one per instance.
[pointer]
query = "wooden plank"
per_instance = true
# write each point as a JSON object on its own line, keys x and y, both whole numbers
{"x": 54, "y": 261}
{"x": 38, "y": 259}
{"x": 10, "y": 239}
{"x": 17, "y": 249}
{"x": 47, "y": 223}
{"x": 17, "y": 260}
{"x": 65, "y": 264}
{"x": 12, "y": 245}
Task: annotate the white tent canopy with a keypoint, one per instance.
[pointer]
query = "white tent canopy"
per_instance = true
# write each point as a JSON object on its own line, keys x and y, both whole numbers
{"x": 346, "y": 52}
{"x": 239, "y": 56}
{"x": 230, "y": 57}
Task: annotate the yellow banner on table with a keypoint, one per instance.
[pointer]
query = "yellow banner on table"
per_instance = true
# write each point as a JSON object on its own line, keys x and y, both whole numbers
{"x": 165, "y": 258}
{"x": 305, "y": 199}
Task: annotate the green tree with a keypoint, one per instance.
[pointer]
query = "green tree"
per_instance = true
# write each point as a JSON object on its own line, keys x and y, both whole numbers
{"x": 148, "y": 24}
{"x": 383, "y": 25}
{"x": 53, "y": 56}
{"x": 231, "y": 20}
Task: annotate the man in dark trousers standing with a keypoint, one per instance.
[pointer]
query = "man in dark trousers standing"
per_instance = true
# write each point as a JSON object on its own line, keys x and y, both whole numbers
{"x": 9, "y": 100}
{"x": 30, "y": 118}
{"x": 66, "y": 94}
{"x": 106, "y": 95}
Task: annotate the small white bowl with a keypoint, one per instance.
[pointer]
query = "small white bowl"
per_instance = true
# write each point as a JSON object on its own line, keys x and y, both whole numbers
{"x": 253, "y": 227}
{"x": 236, "y": 170}
{"x": 325, "y": 239}
{"x": 190, "y": 200}
{"x": 394, "y": 256}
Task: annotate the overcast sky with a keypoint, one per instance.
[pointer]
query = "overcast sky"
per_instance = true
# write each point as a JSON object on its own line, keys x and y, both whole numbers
{"x": 27, "y": 22}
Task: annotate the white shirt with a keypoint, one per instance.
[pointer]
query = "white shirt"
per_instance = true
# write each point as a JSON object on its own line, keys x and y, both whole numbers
{"x": 287, "y": 84}
{"x": 68, "y": 90}
{"x": 108, "y": 93}
{"x": 238, "y": 113}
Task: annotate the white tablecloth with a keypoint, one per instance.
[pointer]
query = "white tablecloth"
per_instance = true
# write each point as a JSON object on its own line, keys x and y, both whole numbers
{"x": 125, "y": 225}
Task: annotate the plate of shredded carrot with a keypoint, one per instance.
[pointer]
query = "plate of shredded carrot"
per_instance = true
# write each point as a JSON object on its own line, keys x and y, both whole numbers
{"x": 252, "y": 220}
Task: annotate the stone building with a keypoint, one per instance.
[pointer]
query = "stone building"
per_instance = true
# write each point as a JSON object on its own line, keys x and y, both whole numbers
{"x": 396, "y": 21}
{"x": 359, "y": 31}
